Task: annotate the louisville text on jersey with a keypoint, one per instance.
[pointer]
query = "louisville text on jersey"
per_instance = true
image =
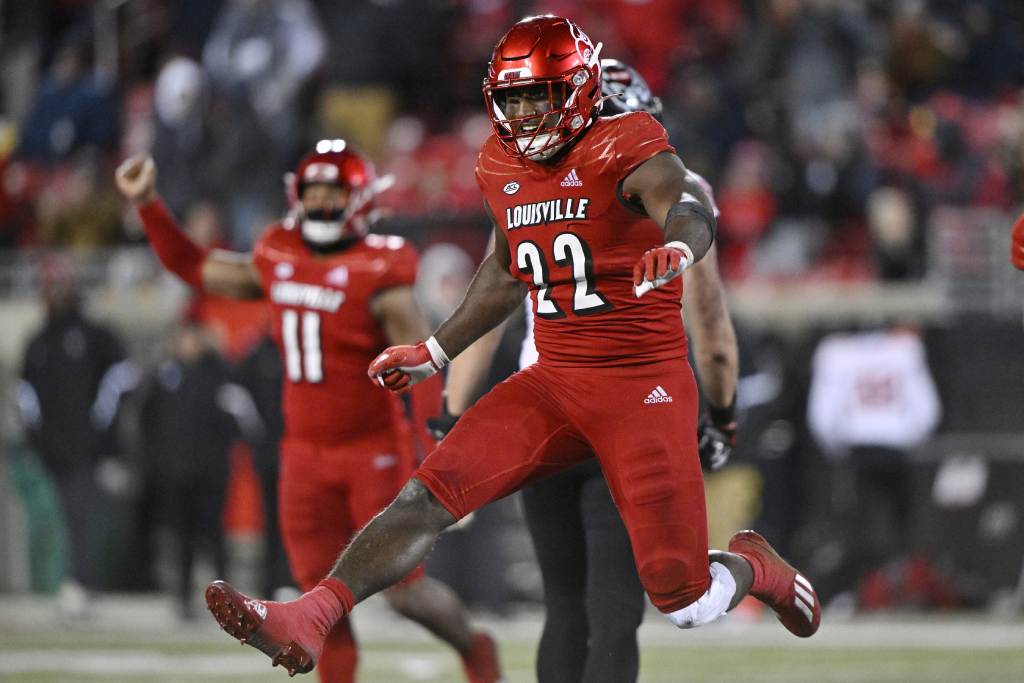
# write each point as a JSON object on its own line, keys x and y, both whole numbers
{"x": 306, "y": 296}
{"x": 550, "y": 211}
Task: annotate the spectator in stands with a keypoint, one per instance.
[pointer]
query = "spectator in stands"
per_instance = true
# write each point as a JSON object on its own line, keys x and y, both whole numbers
{"x": 182, "y": 140}
{"x": 872, "y": 401}
{"x": 73, "y": 375}
{"x": 71, "y": 109}
{"x": 188, "y": 422}
{"x": 259, "y": 57}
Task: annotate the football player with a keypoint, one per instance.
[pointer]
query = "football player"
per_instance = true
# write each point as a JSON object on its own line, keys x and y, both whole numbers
{"x": 594, "y": 601}
{"x": 597, "y": 218}
{"x": 338, "y": 295}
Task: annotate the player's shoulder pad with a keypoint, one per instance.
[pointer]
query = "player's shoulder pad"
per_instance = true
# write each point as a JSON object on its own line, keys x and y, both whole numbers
{"x": 275, "y": 237}
{"x": 389, "y": 245}
{"x": 399, "y": 254}
{"x": 636, "y": 126}
{"x": 493, "y": 159}
{"x": 637, "y": 136}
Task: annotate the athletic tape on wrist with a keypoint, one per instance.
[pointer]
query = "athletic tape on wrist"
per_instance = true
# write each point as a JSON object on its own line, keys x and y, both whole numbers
{"x": 437, "y": 354}
{"x": 687, "y": 252}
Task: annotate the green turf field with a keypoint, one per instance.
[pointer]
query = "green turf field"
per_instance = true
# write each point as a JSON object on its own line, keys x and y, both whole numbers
{"x": 126, "y": 645}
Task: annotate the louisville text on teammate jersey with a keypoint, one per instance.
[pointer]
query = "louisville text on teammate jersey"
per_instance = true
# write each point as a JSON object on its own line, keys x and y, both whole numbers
{"x": 549, "y": 211}
{"x": 307, "y": 296}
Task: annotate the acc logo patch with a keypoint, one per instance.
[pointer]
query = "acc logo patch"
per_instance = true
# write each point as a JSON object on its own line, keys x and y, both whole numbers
{"x": 284, "y": 270}
{"x": 511, "y": 188}
{"x": 338, "y": 276}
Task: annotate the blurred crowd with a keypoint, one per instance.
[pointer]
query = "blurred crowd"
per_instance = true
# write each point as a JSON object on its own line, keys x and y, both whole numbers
{"x": 829, "y": 129}
{"x": 834, "y": 133}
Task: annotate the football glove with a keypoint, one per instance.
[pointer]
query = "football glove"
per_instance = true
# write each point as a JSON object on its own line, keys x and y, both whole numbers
{"x": 659, "y": 266}
{"x": 398, "y": 368}
{"x": 442, "y": 424}
{"x": 715, "y": 443}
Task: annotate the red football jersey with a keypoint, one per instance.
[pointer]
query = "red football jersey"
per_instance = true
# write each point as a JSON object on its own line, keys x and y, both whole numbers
{"x": 325, "y": 331}
{"x": 574, "y": 241}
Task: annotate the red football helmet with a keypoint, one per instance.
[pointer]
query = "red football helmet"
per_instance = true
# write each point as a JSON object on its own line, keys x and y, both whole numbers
{"x": 550, "y": 61}
{"x": 334, "y": 163}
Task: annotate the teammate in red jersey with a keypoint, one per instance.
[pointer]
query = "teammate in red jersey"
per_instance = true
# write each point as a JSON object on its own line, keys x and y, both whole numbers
{"x": 338, "y": 295}
{"x": 597, "y": 218}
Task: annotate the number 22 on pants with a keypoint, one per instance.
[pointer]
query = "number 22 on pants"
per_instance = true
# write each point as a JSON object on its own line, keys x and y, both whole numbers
{"x": 303, "y": 358}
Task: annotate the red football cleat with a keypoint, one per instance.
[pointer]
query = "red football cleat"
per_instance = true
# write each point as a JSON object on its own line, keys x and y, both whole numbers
{"x": 779, "y": 585}
{"x": 481, "y": 664}
{"x": 290, "y": 633}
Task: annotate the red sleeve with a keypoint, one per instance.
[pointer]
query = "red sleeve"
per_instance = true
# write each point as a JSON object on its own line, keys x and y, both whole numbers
{"x": 402, "y": 264}
{"x": 639, "y": 138}
{"x": 176, "y": 251}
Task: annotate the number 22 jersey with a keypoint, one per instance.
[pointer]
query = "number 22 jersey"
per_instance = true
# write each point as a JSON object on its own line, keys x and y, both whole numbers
{"x": 326, "y": 331}
{"x": 574, "y": 240}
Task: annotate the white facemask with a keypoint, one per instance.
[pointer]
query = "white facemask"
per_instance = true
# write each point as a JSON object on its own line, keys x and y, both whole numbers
{"x": 538, "y": 143}
{"x": 321, "y": 232}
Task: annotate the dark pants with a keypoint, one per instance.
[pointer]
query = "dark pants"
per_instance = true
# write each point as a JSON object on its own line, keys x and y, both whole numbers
{"x": 873, "y": 496}
{"x": 275, "y": 565}
{"x": 78, "y": 495}
{"x": 593, "y": 597}
{"x": 194, "y": 508}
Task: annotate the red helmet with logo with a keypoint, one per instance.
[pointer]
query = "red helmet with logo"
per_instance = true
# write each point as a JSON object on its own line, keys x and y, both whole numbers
{"x": 551, "y": 61}
{"x": 334, "y": 163}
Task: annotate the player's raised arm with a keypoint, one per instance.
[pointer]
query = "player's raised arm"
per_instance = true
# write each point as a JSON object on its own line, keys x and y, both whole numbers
{"x": 675, "y": 201}
{"x": 492, "y": 296}
{"x": 220, "y": 272}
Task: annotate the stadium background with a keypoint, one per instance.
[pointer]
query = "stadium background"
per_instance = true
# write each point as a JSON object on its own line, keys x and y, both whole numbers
{"x": 868, "y": 158}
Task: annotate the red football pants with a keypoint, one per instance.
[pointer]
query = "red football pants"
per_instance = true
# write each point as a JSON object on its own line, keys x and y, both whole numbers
{"x": 640, "y": 422}
{"x": 327, "y": 493}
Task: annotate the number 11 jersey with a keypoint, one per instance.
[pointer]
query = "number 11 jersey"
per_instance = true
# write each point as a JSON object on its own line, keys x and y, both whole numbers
{"x": 574, "y": 239}
{"x": 326, "y": 331}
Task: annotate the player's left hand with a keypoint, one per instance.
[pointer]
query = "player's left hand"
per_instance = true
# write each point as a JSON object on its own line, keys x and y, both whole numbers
{"x": 715, "y": 443}
{"x": 1017, "y": 245}
{"x": 398, "y": 368}
{"x": 660, "y": 266}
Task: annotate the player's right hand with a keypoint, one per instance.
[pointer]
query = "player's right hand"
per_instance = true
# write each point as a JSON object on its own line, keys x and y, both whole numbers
{"x": 136, "y": 178}
{"x": 660, "y": 266}
{"x": 397, "y": 368}
{"x": 1017, "y": 244}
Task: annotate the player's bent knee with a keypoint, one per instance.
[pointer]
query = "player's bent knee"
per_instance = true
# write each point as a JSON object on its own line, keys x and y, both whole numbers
{"x": 671, "y": 581}
{"x": 711, "y": 605}
{"x": 416, "y": 501}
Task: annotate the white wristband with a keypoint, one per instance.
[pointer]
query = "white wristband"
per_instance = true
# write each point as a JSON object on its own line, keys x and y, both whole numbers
{"x": 687, "y": 253}
{"x": 437, "y": 354}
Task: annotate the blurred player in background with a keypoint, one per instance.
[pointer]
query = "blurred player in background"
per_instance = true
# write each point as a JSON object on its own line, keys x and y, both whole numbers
{"x": 598, "y": 218}
{"x": 594, "y": 601}
{"x": 338, "y": 295}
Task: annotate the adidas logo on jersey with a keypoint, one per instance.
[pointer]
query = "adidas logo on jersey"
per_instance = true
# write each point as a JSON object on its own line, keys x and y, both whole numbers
{"x": 571, "y": 180}
{"x": 658, "y": 395}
